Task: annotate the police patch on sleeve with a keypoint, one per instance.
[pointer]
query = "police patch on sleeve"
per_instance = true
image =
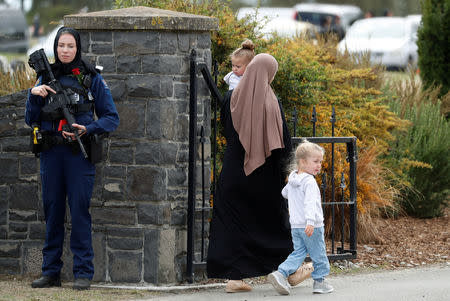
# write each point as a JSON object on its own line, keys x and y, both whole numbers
{"x": 104, "y": 82}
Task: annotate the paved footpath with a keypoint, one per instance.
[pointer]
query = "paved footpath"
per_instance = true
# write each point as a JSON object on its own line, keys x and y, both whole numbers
{"x": 425, "y": 284}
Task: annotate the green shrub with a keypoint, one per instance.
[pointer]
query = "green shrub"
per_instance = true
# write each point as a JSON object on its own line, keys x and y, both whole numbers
{"x": 434, "y": 45}
{"x": 421, "y": 152}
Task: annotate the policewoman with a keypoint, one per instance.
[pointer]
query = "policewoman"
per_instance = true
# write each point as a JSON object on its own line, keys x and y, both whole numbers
{"x": 65, "y": 172}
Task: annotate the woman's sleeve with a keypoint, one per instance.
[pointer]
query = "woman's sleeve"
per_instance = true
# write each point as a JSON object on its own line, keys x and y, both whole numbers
{"x": 312, "y": 198}
{"x": 225, "y": 104}
{"x": 225, "y": 107}
{"x": 33, "y": 106}
{"x": 105, "y": 109}
{"x": 285, "y": 191}
{"x": 287, "y": 151}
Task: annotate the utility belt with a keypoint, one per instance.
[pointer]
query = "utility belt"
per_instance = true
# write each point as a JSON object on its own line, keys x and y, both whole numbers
{"x": 45, "y": 140}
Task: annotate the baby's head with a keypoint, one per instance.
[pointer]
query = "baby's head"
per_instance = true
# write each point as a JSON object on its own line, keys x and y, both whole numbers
{"x": 309, "y": 157}
{"x": 242, "y": 56}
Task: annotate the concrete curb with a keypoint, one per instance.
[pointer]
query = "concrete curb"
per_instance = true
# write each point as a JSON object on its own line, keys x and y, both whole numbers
{"x": 161, "y": 288}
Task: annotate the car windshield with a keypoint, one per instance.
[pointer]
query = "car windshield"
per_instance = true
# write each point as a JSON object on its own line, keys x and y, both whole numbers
{"x": 12, "y": 23}
{"x": 314, "y": 18}
{"x": 377, "y": 30}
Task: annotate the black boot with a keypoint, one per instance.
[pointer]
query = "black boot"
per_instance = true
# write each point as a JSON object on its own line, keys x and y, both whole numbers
{"x": 46, "y": 281}
{"x": 81, "y": 284}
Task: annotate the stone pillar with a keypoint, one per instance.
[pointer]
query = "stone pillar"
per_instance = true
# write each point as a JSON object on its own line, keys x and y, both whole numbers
{"x": 140, "y": 197}
{"x": 140, "y": 214}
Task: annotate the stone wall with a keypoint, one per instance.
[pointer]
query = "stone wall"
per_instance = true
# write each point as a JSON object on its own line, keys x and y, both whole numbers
{"x": 140, "y": 197}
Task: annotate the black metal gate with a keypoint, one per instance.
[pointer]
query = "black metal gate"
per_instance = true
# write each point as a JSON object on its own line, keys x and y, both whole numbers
{"x": 199, "y": 211}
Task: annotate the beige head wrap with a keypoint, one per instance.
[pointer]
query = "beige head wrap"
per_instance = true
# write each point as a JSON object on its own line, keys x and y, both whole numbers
{"x": 255, "y": 112}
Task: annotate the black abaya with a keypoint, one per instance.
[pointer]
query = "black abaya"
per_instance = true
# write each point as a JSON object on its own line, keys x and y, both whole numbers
{"x": 250, "y": 232}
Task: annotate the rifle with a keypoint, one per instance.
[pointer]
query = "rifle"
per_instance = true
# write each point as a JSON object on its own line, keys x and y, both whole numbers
{"x": 59, "y": 103}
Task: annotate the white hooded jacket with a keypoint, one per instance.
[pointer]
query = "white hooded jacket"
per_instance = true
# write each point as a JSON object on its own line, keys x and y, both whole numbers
{"x": 304, "y": 200}
{"x": 232, "y": 80}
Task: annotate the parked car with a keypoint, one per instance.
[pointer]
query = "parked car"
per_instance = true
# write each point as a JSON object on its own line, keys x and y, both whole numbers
{"x": 415, "y": 23}
{"x": 4, "y": 65}
{"x": 278, "y": 20}
{"x": 390, "y": 41}
{"x": 14, "y": 35}
{"x": 265, "y": 12}
{"x": 46, "y": 43}
{"x": 328, "y": 17}
{"x": 287, "y": 28}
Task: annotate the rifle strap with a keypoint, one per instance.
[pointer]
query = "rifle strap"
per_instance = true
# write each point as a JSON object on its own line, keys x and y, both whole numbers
{"x": 50, "y": 115}
{"x": 82, "y": 107}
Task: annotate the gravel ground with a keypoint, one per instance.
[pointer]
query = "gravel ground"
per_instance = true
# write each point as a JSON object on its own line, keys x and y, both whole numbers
{"x": 409, "y": 242}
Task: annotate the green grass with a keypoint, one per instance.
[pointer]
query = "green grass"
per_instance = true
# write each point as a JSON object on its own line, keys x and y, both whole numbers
{"x": 15, "y": 56}
{"x": 392, "y": 77}
{"x": 17, "y": 288}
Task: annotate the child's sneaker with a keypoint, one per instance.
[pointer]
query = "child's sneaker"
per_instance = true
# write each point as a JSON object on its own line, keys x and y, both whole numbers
{"x": 322, "y": 287}
{"x": 279, "y": 282}
{"x": 301, "y": 274}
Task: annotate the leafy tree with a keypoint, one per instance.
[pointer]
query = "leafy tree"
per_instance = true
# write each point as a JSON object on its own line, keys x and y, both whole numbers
{"x": 51, "y": 12}
{"x": 434, "y": 44}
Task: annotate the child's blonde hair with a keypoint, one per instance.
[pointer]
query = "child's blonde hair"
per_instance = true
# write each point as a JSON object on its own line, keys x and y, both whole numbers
{"x": 303, "y": 151}
{"x": 247, "y": 51}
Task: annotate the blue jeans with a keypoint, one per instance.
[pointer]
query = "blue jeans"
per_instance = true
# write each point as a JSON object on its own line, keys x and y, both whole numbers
{"x": 303, "y": 245}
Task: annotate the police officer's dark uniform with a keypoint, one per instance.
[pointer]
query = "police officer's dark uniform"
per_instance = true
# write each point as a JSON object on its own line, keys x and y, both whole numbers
{"x": 65, "y": 172}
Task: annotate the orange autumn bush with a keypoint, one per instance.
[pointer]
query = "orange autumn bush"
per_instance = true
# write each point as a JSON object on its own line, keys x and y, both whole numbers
{"x": 313, "y": 74}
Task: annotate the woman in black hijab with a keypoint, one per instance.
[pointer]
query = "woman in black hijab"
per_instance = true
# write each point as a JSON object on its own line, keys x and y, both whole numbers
{"x": 65, "y": 172}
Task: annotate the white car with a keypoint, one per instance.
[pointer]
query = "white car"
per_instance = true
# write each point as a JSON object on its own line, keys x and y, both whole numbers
{"x": 265, "y": 12}
{"x": 278, "y": 20}
{"x": 316, "y": 13}
{"x": 391, "y": 41}
{"x": 4, "y": 65}
{"x": 14, "y": 34}
{"x": 47, "y": 44}
{"x": 287, "y": 28}
{"x": 415, "y": 23}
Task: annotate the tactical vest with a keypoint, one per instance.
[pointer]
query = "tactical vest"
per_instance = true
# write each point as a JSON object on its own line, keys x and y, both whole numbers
{"x": 49, "y": 112}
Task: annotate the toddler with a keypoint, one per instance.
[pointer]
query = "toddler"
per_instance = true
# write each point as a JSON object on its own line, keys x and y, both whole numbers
{"x": 240, "y": 58}
{"x": 306, "y": 218}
